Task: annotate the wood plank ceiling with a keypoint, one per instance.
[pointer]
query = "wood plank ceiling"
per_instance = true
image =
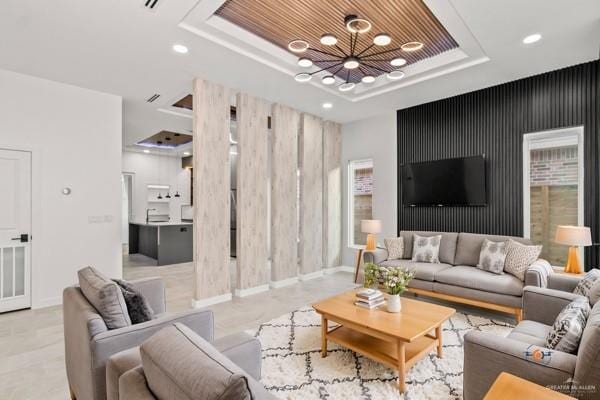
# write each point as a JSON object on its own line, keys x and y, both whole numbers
{"x": 281, "y": 21}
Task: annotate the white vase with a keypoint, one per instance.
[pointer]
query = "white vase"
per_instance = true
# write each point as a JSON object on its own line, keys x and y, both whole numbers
{"x": 393, "y": 303}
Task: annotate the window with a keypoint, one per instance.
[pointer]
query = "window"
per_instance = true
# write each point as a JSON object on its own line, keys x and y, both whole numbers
{"x": 553, "y": 187}
{"x": 360, "y": 196}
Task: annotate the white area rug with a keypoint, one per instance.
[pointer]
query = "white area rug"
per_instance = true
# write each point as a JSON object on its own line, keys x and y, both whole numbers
{"x": 294, "y": 369}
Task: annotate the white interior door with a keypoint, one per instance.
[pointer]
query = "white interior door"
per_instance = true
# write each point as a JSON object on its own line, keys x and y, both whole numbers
{"x": 15, "y": 228}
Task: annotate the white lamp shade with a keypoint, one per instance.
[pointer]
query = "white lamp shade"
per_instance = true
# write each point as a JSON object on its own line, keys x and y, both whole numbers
{"x": 370, "y": 226}
{"x": 573, "y": 235}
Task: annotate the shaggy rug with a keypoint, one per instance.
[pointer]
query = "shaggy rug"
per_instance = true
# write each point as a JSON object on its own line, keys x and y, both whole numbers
{"x": 293, "y": 368}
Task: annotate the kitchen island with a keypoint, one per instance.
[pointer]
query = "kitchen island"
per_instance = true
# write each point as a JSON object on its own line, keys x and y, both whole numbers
{"x": 166, "y": 242}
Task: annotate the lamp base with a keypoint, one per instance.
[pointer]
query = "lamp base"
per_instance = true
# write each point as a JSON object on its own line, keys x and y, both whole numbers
{"x": 370, "y": 242}
{"x": 573, "y": 264}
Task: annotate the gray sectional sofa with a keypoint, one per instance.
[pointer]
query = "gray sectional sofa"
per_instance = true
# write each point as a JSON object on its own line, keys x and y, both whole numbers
{"x": 456, "y": 277}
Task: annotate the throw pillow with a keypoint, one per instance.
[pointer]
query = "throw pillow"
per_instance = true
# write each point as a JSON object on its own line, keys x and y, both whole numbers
{"x": 519, "y": 257}
{"x": 395, "y": 248}
{"x": 568, "y": 327}
{"x": 492, "y": 256}
{"x": 138, "y": 307}
{"x": 426, "y": 248}
{"x": 594, "y": 293}
{"x": 585, "y": 285}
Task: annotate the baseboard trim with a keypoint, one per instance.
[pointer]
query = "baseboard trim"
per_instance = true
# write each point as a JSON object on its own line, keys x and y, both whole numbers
{"x": 201, "y": 303}
{"x": 251, "y": 291}
{"x": 311, "y": 275}
{"x": 284, "y": 282}
{"x": 48, "y": 302}
{"x": 341, "y": 268}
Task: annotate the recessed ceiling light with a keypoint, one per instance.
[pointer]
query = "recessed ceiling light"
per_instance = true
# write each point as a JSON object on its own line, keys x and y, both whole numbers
{"x": 303, "y": 77}
{"x": 146, "y": 151}
{"x": 382, "y": 39}
{"x": 305, "y": 62}
{"x": 532, "y": 38}
{"x": 398, "y": 62}
{"x": 179, "y": 48}
{"x": 327, "y": 105}
{"x": 412, "y": 46}
{"x": 328, "y": 80}
{"x": 329, "y": 39}
{"x": 298, "y": 46}
{"x": 357, "y": 25}
{"x": 395, "y": 75}
{"x": 368, "y": 79}
{"x": 186, "y": 153}
{"x": 345, "y": 87}
{"x": 351, "y": 63}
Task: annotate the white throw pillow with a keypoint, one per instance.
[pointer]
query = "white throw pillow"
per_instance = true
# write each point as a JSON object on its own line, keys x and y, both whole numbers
{"x": 395, "y": 248}
{"x": 568, "y": 327}
{"x": 492, "y": 256}
{"x": 426, "y": 248}
{"x": 519, "y": 257}
{"x": 584, "y": 287}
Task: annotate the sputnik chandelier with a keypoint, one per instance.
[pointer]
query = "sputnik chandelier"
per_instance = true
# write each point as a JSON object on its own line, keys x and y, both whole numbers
{"x": 367, "y": 61}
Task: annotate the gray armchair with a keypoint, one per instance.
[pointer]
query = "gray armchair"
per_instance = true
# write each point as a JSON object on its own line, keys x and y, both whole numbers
{"x": 523, "y": 352}
{"x": 89, "y": 343}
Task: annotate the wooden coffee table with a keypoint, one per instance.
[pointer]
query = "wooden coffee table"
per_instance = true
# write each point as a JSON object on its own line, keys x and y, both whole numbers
{"x": 395, "y": 340}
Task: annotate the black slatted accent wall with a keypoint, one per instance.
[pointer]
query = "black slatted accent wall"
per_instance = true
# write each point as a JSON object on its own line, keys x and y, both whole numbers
{"x": 492, "y": 122}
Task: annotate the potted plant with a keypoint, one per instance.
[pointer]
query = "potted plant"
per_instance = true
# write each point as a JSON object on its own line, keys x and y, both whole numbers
{"x": 396, "y": 281}
{"x": 371, "y": 275}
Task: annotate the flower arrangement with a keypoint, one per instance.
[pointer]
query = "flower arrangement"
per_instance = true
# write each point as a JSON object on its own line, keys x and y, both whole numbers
{"x": 396, "y": 280}
{"x": 371, "y": 272}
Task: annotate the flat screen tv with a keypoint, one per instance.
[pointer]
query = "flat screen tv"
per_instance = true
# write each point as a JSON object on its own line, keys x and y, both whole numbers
{"x": 449, "y": 182}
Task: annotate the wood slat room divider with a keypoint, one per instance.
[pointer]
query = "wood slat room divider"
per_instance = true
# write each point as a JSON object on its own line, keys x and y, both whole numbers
{"x": 332, "y": 194}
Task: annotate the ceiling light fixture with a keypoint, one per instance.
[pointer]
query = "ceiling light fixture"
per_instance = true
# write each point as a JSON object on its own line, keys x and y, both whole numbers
{"x": 357, "y": 62}
{"x": 327, "y": 105}
{"x": 186, "y": 153}
{"x": 305, "y": 62}
{"x": 328, "y": 80}
{"x": 181, "y": 49}
{"x": 398, "y": 62}
{"x": 532, "y": 38}
{"x": 382, "y": 39}
{"x": 298, "y": 46}
{"x": 146, "y": 151}
{"x": 329, "y": 39}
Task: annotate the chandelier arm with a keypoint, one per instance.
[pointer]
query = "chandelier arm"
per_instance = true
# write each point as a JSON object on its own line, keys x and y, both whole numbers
{"x": 338, "y": 70}
{"x": 362, "y": 71}
{"x": 365, "y": 50}
{"x": 322, "y": 61}
{"x": 348, "y": 76}
{"x": 340, "y": 49}
{"x": 325, "y": 52}
{"x": 323, "y": 69}
{"x": 382, "y": 52}
{"x": 377, "y": 68}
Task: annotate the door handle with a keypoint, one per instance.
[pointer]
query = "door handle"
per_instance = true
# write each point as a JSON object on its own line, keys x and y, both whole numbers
{"x": 23, "y": 238}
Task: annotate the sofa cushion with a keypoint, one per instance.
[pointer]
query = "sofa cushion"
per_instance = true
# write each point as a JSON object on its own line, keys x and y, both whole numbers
{"x": 179, "y": 364}
{"x": 587, "y": 369}
{"x": 447, "y": 246}
{"x": 473, "y": 278}
{"x": 568, "y": 328}
{"x": 395, "y": 247}
{"x": 106, "y": 297}
{"x": 468, "y": 246}
{"x": 492, "y": 256}
{"x": 531, "y": 332}
{"x": 423, "y": 271}
{"x": 519, "y": 258}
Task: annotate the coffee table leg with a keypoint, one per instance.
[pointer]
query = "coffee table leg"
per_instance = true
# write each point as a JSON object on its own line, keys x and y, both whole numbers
{"x": 401, "y": 367}
{"x": 323, "y": 336}
{"x": 438, "y": 335}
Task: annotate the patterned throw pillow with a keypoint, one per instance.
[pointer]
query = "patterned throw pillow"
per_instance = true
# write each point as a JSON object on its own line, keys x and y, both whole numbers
{"x": 426, "y": 249}
{"x": 395, "y": 248}
{"x": 492, "y": 256}
{"x": 594, "y": 293}
{"x": 519, "y": 257}
{"x": 568, "y": 327}
{"x": 584, "y": 286}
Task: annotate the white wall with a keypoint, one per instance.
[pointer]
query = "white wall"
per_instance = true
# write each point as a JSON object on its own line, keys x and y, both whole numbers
{"x": 152, "y": 169}
{"x": 373, "y": 138}
{"x": 74, "y": 136}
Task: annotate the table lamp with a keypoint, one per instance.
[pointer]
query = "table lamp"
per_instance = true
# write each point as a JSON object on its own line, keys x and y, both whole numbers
{"x": 573, "y": 236}
{"x": 371, "y": 227}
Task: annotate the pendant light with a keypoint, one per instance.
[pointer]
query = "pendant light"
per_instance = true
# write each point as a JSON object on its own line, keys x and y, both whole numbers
{"x": 159, "y": 197}
{"x": 168, "y": 196}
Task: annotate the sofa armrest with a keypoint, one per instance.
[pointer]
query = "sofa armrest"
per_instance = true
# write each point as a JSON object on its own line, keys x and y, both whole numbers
{"x": 375, "y": 256}
{"x": 487, "y": 355}
{"x": 543, "y": 305}
{"x": 117, "y": 365}
{"x": 244, "y": 350}
{"x": 133, "y": 386}
{"x": 564, "y": 282}
{"x": 538, "y": 273}
{"x": 153, "y": 289}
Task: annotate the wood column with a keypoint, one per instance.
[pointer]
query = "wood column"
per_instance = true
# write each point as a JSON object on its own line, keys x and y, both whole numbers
{"x": 285, "y": 123}
{"x": 252, "y": 195}
{"x": 311, "y": 197}
{"x": 211, "y": 193}
{"x": 332, "y": 194}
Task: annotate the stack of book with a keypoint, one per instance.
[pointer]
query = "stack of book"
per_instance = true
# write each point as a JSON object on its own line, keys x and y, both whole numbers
{"x": 369, "y": 298}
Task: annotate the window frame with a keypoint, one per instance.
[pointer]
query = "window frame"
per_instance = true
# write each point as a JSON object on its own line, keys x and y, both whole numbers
{"x": 353, "y": 165}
